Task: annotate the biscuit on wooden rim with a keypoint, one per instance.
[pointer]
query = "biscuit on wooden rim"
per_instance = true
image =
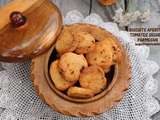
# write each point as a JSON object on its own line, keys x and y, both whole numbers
{"x": 66, "y": 42}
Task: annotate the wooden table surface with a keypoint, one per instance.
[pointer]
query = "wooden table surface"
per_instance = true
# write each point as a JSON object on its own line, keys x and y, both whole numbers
{"x": 83, "y": 6}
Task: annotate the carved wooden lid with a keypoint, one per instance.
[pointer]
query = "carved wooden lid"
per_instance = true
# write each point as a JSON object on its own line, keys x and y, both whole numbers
{"x": 27, "y": 28}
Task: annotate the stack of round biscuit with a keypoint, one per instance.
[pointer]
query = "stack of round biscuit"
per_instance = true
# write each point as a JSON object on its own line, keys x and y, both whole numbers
{"x": 85, "y": 55}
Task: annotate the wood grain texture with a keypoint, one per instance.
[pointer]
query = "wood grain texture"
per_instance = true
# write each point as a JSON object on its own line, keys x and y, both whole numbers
{"x": 43, "y": 25}
{"x": 19, "y": 5}
{"x": 81, "y": 109}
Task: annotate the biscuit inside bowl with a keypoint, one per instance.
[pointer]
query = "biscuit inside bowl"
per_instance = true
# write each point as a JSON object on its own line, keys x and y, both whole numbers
{"x": 84, "y": 58}
{"x": 111, "y": 79}
{"x": 119, "y": 76}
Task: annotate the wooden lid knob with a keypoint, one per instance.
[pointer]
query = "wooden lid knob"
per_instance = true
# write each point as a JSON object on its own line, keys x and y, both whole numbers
{"x": 17, "y": 19}
{"x": 42, "y": 21}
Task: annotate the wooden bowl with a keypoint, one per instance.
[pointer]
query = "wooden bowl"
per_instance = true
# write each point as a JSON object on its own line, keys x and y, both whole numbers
{"x": 81, "y": 107}
{"x": 43, "y": 24}
{"x": 113, "y": 77}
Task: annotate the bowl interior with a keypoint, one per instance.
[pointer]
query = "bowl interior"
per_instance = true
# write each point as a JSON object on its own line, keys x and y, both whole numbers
{"x": 111, "y": 79}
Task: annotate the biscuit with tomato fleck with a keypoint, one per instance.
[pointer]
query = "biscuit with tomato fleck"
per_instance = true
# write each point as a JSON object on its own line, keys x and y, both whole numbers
{"x": 59, "y": 82}
{"x": 115, "y": 47}
{"x": 93, "y": 77}
{"x": 101, "y": 56}
{"x": 71, "y": 64}
{"x": 66, "y": 42}
{"x": 86, "y": 42}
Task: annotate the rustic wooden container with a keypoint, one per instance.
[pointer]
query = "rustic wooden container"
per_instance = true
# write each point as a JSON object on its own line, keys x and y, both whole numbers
{"x": 36, "y": 40}
{"x": 43, "y": 25}
{"x": 80, "y": 107}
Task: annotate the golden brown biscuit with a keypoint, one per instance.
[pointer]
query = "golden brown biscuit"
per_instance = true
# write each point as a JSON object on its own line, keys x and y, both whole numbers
{"x": 71, "y": 64}
{"x": 86, "y": 42}
{"x": 116, "y": 49}
{"x": 60, "y": 83}
{"x": 78, "y": 92}
{"x": 98, "y": 33}
{"x": 93, "y": 78}
{"x": 102, "y": 56}
{"x": 66, "y": 42}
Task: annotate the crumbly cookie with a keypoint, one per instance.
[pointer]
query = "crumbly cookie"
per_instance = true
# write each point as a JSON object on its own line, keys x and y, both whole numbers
{"x": 78, "y": 92}
{"x": 98, "y": 33}
{"x": 86, "y": 42}
{"x": 66, "y": 42}
{"x": 71, "y": 64}
{"x": 60, "y": 83}
{"x": 116, "y": 49}
{"x": 102, "y": 56}
{"x": 93, "y": 77}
